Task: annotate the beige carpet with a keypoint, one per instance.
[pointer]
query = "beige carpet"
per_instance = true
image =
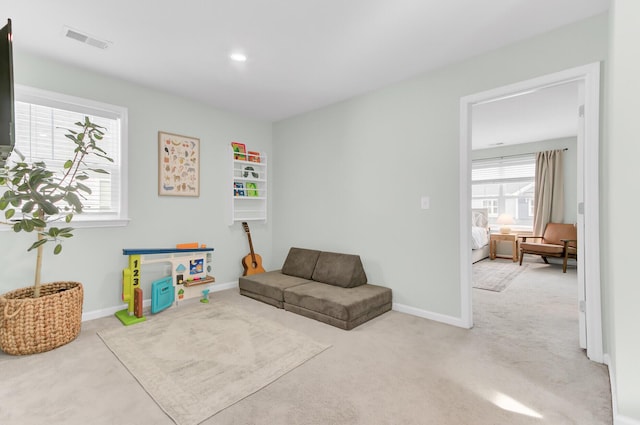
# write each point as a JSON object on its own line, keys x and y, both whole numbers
{"x": 196, "y": 360}
{"x": 394, "y": 369}
{"x": 495, "y": 275}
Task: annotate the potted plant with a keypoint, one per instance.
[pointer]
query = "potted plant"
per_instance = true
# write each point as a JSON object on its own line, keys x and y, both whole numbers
{"x": 42, "y": 317}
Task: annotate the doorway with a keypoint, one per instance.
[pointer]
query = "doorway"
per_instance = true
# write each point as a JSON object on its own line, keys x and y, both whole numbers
{"x": 588, "y": 79}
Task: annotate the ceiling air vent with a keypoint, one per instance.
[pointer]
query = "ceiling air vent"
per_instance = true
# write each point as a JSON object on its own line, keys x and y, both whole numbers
{"x": 85, "y": 38}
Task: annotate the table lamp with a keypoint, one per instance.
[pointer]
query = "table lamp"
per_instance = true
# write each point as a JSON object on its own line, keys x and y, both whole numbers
{"x": 505, "y": 220}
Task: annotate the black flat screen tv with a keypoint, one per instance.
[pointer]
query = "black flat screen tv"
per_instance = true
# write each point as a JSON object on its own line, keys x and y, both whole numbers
{"x": 7, "y": 113}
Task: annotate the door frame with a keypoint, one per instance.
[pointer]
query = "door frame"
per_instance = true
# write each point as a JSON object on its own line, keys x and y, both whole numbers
{"x": 589, "y": 243}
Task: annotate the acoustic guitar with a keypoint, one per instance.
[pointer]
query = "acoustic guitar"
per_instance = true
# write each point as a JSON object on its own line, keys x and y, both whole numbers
{"x": 252, "y": 263}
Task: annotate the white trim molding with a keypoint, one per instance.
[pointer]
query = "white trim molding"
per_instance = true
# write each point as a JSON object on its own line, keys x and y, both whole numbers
{"x": 437, "y": 317}
{"x": 589, "y": 75}
{"x": 618, "y": 419}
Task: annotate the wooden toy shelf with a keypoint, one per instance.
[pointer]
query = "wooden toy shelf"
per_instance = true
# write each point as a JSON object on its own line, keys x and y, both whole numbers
{"x": 189, "y": 268}
{"x": 208, "y": 279}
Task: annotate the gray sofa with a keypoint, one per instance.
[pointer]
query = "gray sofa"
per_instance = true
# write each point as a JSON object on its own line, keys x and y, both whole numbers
{"x": 325, "y": 286}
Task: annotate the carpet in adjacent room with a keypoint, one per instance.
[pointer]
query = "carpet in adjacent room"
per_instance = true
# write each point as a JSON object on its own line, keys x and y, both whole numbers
{"x": 495, "y": 275}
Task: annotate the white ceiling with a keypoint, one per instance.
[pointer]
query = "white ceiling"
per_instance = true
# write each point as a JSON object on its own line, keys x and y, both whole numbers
{"x": 549, "y": 113}
{"x": 303, "y": 54}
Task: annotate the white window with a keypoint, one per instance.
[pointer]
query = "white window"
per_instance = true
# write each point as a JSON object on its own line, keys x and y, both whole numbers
{"x": 532, "y": 206}
{"x": 42, "y": 118}
{"x": 492, "y": 207}
{"x": 505, "y": 185}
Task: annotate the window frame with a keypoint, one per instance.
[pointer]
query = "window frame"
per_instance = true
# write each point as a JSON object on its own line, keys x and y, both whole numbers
{"x": 505, "y": 160}
{"x": 57, "y": 100}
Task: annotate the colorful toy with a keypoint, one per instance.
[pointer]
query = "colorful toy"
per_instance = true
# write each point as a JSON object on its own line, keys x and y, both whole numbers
{"x": 205, "y": 296}
{"x": 130, "y": 282}
{"x": 162, "y": 294}
{"x": 189, "y": 245}
{"x": 189, "y": 262}
{"x": 137, "y": 303}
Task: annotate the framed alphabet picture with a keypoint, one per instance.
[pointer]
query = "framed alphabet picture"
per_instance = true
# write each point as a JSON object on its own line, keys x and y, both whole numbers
{"x": 178, "y": 165}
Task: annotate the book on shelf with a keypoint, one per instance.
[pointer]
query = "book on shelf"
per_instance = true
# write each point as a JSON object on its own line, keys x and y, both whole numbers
{"x": 239, "y": 151}
{"x": 253, "y": 156}
{"x": 250, "y": 171}
{"x": 238, "y": 189}
{"x": 252, "y": 189}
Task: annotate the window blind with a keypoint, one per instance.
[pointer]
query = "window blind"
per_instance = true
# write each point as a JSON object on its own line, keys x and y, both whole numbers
{"x": 40, "y": 136}
{"x": 502, "y": 169}
{"x": 505, "y": 185}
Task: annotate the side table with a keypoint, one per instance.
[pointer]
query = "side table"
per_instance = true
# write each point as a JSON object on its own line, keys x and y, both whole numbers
{"x": 507, "y": 237}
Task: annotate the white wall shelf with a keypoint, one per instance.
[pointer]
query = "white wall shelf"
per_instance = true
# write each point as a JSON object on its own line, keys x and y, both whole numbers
{"x": 248, "y": 187}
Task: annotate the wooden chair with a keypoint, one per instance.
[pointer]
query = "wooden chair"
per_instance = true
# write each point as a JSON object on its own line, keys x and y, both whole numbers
{"x": 559, "y": 240}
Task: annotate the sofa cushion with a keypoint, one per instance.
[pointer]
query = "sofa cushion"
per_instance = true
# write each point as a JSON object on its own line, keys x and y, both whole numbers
{"x": 343, "y": 270}
{"x": 300, "y": 262}
{"x": 342, "y": 324}
{"x": 269, "y": 284}
{"x": 345, "y": 304}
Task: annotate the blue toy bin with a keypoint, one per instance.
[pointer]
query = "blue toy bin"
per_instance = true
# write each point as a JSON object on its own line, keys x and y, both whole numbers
{"x": 162, "y": 294}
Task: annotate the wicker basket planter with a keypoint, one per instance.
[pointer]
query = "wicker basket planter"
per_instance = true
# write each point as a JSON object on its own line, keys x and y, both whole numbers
{"x": 35, "y": 325}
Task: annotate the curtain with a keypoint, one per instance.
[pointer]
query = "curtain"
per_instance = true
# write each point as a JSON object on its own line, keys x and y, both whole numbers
{"x": 549, "y": 196}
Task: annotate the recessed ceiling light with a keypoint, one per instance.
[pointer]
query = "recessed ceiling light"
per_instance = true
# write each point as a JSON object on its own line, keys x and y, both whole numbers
{"x": 238, "y": 57}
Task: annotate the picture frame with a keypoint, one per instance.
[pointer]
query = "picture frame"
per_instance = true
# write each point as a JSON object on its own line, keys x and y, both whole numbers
{"x": 239, "y": 151}
{"x": 253, "y": 156}
{"x": 196, "y": 266}
{"x": 252, "y": 189}
{"x": 238, "y": 189}
{"x": 178, "y": 165}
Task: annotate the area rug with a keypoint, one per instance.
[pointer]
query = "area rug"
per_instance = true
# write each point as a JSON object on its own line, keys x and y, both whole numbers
{"x": 494, "y": 275}
{"x": 198, "y": 359}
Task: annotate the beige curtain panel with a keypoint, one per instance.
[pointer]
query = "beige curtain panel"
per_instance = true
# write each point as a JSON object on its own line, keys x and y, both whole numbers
{"x": 549, "y": 196}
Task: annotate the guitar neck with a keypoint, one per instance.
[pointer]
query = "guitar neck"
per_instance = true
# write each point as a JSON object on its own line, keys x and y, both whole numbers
{"x": 246, "y": 229}
{"x": 253, "y": 255}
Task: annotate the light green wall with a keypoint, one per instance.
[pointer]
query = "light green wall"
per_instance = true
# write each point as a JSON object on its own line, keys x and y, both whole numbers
{"x": 349, "y": 177}
{"x": 569, "y": 166}
{"x": 94, "y": 256}
{"x": 620, "y": 196}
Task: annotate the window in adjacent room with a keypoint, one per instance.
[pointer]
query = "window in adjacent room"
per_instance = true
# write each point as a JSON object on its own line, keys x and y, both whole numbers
{"x": 492, "y": 206}
{"x": 505, "y": 185}
{"x": 42, "y": 118}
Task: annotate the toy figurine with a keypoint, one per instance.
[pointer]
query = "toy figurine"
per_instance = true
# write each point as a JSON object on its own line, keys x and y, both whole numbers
{"x": 205, "y": 296}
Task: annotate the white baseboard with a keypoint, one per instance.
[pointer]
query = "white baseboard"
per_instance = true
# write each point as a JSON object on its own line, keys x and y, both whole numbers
{"x": 618, "y": 419}
{"x": 97, "y": 314}
{"x": 442, "y": 318}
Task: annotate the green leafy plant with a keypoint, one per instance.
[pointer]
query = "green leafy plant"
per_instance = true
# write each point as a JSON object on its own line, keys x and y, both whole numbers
{"x": 36, "y": 197}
